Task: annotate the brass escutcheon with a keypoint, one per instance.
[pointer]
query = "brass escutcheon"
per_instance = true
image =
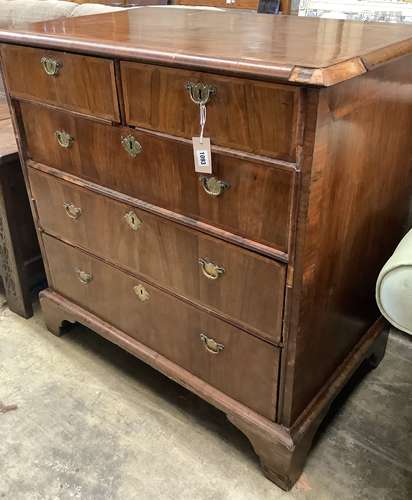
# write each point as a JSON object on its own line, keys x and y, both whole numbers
{"x": 72, "y": 211}
{"x": 84, "y": 277}
{"x": 211, "y": 270}
{"x": 213, "y": 186}
{"x": 133, "y": 220}
{"x": 131, "y": 145}
{"x": 142, "y": 294}
{"x": 51, "y": 66}
{"x": 211, "y": 345}
{"x": 200, "y": 93}
{"x": 64, "y": 139}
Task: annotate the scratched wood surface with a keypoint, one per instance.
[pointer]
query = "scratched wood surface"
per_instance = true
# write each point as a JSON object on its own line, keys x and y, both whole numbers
{"x": 244, "y": 369}
{"x": 320, "y": 174}
{"x": 263, "y": 46}
{"x": 84, "y": 84}
{"x": 163, "y": 174}
{"x": 250, "y": 292}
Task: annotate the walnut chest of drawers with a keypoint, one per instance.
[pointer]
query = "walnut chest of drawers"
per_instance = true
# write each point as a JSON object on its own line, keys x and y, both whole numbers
{"x": 252, "y": 286}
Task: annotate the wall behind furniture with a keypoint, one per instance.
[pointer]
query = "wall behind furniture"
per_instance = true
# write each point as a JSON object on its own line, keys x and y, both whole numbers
{"x": 361, "y": 10}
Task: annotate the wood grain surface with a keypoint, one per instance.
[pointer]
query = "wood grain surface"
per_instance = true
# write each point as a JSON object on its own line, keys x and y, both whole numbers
{"x": 8, "y": 146}
{"x": 247, "y": 367}
{"x": 237, "y": 114}
{"x": 261, "y": 46}
{"x": 320, "y": 178}
{"x": 250, "y": 292}
{"x": 357, "y": 190}
{"x": 21, "y": 266}
{"x": 257, "y": 205}
{"x": 84, "y": 84}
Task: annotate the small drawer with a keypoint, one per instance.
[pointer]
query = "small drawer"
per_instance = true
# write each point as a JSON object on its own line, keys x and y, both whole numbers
{"x": 81, "y": 83}
{"x": 252, "y": 116}
{"x": 238, "y": 364}
{"x": 237, "y": 283}
{"x": 249, "y": 198}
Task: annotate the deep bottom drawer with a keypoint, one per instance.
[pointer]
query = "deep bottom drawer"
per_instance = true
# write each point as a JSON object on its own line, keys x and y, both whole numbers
{"x": 229, "y": 359}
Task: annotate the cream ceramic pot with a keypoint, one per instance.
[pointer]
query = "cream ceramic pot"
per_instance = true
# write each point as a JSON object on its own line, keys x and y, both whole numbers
{"x": 394, "y": 286}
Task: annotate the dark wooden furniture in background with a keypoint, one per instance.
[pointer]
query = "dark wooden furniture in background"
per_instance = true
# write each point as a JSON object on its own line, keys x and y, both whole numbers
{"x": 21, "y": 265}
{"x": 285, "y": 5}
{"x": 254, "y": 287}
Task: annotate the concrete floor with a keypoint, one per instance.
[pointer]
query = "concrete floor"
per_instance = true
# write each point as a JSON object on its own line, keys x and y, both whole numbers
{"x": 94, "y": 423}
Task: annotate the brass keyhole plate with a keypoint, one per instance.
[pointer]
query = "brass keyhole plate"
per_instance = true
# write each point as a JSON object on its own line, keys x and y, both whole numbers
{"x": 142, "y": 294}
{"x": 133, "y": 220}
{"x": 131, "y": 145}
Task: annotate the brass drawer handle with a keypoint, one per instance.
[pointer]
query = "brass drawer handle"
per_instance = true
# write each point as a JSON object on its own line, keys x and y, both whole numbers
{"x": 200, "y": 93}
{"x": 64, "y": 139}
{"x": 211, "y": 345}
{"x": 51, "y": 66}
{"x": 213, "y": 186}
{"x": 211, "y": 270}
{"x": 142, "y": 294}
{"x": 84, "y": 277}
{"x": 131, "y": 145}
{"x": 133, "y": 220}
{"x": 72, "y": 211}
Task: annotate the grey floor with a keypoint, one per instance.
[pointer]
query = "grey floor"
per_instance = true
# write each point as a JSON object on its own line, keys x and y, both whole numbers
{"x": 92, "y": 422}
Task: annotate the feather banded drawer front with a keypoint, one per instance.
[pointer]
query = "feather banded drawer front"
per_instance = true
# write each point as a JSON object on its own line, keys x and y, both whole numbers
{"x": 83, "y": 84}
{"x": 203, "y": 269}
{"x": 251, "y": 284}
{"x": 162, "y": 174}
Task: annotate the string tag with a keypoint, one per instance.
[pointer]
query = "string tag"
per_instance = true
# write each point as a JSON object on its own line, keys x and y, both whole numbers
{"x": 201, "y": 147}
{"x": 202, "y": 155}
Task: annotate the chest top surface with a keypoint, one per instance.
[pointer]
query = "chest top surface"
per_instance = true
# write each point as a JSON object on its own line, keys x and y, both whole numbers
{"x": 280, "y": 47}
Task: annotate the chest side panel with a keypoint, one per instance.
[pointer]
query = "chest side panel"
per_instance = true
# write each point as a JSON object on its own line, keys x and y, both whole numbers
{"x": 357, "y": 194}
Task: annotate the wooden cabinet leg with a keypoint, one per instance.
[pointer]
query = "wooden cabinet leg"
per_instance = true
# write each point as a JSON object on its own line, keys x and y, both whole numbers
{"x": 283, "y": 453}
{"x": 281, "y": 459}
{"x": 292, "y": 464}
{"x": 56, "y": 319}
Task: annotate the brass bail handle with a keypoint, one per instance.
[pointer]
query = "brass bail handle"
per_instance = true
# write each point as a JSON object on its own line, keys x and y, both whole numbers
{"x": 200, "y": 93}
{"x": 213, "y": 186}
{"x": 211, "y": 270}
{"x": 64, "y": 139}
{"x": 72, "y": 211}
{"x": 51, "y": 66}
{"x": 84, "y": 277}
{"x": 211, "y": 345}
